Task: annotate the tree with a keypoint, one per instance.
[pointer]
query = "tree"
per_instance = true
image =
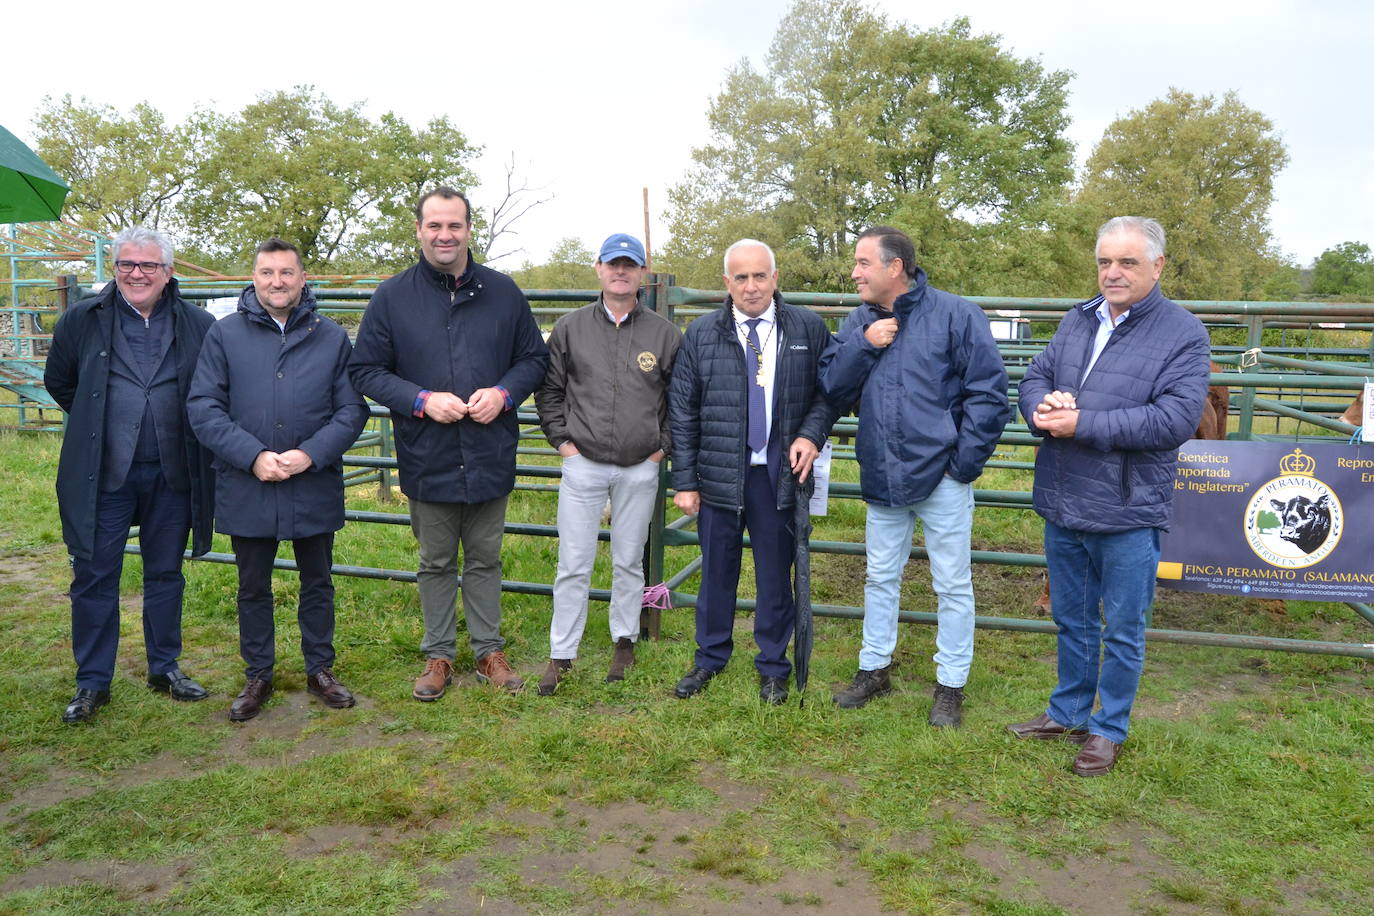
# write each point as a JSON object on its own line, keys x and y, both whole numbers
{"x": 124, "y": 170}
{"x": 858, "y": 121}
{"x": 1205, "y": 169}
{"x": 1346, "y": 270}
{"x": 569, "y": 267}
{"x": 340, "y": 186}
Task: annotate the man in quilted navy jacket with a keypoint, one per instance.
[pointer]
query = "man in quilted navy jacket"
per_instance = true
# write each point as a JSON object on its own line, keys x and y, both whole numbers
{"x": 1115, "y": 393}
{"x": 747, "y": 421}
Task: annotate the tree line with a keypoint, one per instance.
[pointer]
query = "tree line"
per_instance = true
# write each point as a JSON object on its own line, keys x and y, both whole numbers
{"x": 854, "y": 119}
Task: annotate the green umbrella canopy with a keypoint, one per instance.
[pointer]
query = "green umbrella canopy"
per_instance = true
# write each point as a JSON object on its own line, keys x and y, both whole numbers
{"x": 29, "y": 190}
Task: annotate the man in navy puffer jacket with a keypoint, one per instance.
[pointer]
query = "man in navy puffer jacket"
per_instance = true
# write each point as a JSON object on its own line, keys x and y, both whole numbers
{"x": 932, "y": 393}
{"x": 1115, "y": 393}
{"x": 746, "y": 417}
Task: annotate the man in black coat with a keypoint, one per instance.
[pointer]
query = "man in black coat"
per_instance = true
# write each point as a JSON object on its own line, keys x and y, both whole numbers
{"x": 271, "y": 399}
{"x": 747, "y": 420}
{"x": 452, "y": 349}
{"x": 120, "y": 366}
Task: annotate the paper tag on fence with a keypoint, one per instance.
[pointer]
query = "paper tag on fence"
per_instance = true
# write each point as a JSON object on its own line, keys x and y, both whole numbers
{"x": 1367, "y": 415}
{"x": 222, "y": 307}
{"x": 820, "y": 472}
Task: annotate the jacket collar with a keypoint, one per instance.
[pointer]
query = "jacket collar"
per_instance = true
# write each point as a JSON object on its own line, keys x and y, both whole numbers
{"x": 446, "y": 281}
{"x": 250, "y": 306}
{"x": 1138, "y": 309}
{"x": 629, "y": 316}
{"x": 726, "y": 318}
{"x": 913, "y": 297}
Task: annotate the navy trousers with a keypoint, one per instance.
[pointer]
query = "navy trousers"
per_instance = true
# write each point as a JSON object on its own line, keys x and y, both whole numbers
{"x": 163, "y": 516}
{"x": 722, "y": 545}
{"x": 315, "y": 612}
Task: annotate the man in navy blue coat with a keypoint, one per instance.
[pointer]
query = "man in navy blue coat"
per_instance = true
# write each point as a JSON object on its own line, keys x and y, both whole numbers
{"x": 272, "y": 400}
{"x": 451, "y": 347}
{"x": 1115, "y": 393}
{"x": 120, "y": 366}
{"x": 747, "y": 421}
{"x": 932, "y": 393}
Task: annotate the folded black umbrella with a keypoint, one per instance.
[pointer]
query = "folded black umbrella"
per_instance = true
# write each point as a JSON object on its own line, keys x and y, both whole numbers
{"x": 801, "y": 585}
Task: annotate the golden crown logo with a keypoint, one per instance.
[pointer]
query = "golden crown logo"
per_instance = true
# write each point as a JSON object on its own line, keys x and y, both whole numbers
{"x": 1296, "y": 462}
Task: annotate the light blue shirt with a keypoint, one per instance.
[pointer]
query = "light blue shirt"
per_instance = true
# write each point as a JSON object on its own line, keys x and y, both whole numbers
{"x": 1105, "y": 326}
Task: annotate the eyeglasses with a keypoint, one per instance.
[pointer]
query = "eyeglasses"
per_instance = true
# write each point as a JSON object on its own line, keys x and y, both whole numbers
{"x": 148, "y": 267}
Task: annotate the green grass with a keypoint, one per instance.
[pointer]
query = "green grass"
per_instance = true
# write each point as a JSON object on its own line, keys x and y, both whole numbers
{"x": 1247, "y": 785}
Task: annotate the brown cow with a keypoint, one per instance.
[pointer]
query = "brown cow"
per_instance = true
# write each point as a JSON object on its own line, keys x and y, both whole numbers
{"x": 1212, "y": 425}
{"x": 1354, "y": 414}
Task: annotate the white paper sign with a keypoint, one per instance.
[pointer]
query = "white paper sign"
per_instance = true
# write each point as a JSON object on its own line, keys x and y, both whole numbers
{"x": 820, "y": 472}
{"x": 1367, "y": 415}
{"x": 222, "y": 307}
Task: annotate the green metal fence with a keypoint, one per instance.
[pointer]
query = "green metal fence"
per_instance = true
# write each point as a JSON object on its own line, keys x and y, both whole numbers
{"x": 1289, "y": 379}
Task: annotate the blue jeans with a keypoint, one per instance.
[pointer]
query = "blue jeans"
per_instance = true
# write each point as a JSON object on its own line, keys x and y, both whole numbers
{"x": 1101, "y": 588}
{"x": 947, "y": 522}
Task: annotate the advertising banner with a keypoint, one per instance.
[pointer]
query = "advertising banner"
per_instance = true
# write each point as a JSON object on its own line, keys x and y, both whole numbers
{"x": 1272, "y": 520}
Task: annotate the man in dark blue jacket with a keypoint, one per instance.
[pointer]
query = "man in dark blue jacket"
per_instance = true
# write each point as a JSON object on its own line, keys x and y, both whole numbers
{"x": 120, "y": 366}
{"x": 271, "y": 399}
{"x": 932, "y": 394}
{"x": 451, "y": 348}
{"x": 1115, "y": 393}
{"x": 747, "y": 422}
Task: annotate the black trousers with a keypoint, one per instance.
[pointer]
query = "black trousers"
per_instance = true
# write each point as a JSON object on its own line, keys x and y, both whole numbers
{"x": 315, "y": 614}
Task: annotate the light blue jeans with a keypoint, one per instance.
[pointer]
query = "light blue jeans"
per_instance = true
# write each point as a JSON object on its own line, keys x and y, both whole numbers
{"x": 947, "y": 522}
{"x": 1101, "y": 589}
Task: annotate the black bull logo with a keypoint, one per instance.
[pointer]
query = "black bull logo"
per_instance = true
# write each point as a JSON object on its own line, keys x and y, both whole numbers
{"x": 1305, "y": 523}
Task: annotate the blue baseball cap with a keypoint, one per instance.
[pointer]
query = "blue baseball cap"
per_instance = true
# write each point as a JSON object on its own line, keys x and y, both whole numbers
{"x": 621, "y": 245}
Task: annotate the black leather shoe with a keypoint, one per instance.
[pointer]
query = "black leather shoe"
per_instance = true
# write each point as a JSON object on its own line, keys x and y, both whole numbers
{"x": 84, "y": 704}
{"x": 326, "y": 686}
{"x": 773, "y": 690}
{"x": 249, "y": 701}
{"x": 178, "y": 685}
{"x": 693, "y": 683}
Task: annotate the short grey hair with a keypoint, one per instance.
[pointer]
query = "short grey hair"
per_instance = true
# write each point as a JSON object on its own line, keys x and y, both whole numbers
{"x": 1150, "y": 230}
{"x": 139, "y": 236}
{"x": 748, "y": 243}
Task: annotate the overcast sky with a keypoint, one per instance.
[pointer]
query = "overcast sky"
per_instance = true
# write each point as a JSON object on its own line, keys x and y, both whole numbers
{"x": 598, "y": 100}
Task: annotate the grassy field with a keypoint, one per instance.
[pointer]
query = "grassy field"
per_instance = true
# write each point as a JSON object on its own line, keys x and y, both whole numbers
{"x": 1247, "y": 785}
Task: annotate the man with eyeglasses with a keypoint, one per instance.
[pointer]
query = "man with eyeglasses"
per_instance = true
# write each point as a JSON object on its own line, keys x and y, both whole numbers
{"x": 120, "y": 366}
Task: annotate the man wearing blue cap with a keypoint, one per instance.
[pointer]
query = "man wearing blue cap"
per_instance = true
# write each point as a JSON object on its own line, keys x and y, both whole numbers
{"x": 604, "y": 406}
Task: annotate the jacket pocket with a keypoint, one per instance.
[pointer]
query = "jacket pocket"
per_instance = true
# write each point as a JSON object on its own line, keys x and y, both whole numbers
{"x": 1126, "y": 479}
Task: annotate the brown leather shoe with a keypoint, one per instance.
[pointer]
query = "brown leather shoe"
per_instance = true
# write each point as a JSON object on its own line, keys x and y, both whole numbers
{"x": 249, "y": 701}
{"x": 430, "y": 685}
{"x": 1097, "y": 757}
{"x": 493, "y": 669}
{"x": 623, "y": 658}
{"x": 1046, "y": 729}
{"x": 553, "y": 674}
{"x": 324, "y": 685}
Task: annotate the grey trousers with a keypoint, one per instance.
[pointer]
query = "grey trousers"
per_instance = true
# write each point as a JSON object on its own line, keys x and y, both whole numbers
{"x": 581, "y": 497}
{"x": 440, "y": 529}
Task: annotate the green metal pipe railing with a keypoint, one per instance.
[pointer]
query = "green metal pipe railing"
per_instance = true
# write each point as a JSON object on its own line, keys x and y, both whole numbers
{"x": 1327, "y": 375}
